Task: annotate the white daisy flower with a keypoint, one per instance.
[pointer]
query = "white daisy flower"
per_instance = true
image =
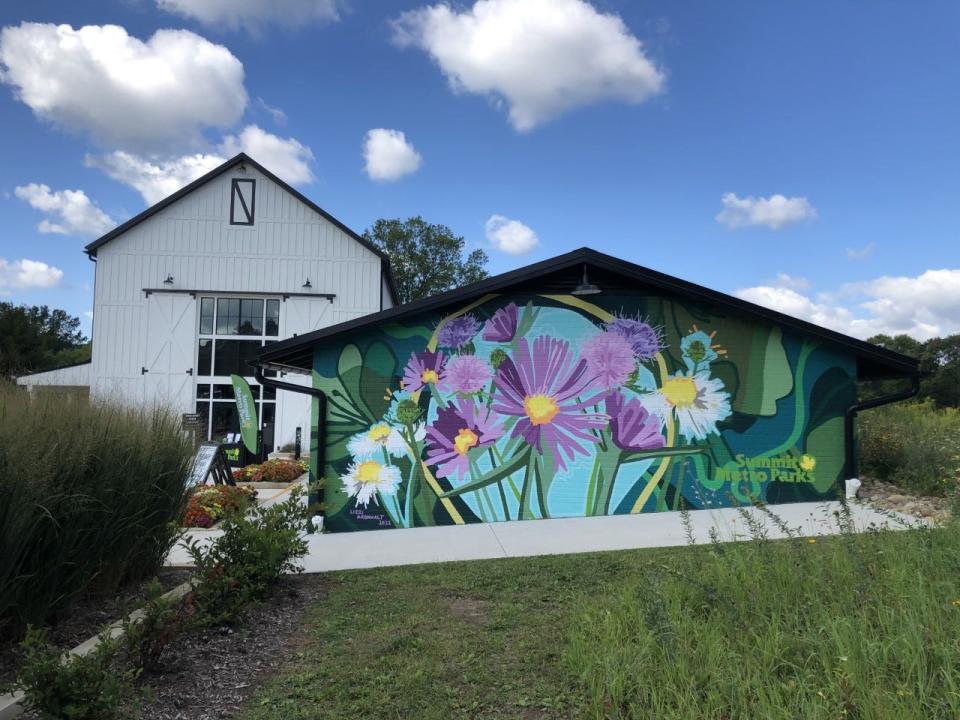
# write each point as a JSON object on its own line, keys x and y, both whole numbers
{"x": 364, "y": 480}
{"x": 381, "y": 436}
{"x": 697, "y": 402}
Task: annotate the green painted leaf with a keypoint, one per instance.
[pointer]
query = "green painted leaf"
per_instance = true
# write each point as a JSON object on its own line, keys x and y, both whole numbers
{"x": 376, "y": 374}
{"x": 515, "y": 463}
{"x": 404, "y": 332}
{"x": 825, "y": 444}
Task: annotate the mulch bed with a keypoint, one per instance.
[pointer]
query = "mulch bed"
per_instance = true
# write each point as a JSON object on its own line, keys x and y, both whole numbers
{"x": 89, "y": 615}
{"x": 209, "y": 676}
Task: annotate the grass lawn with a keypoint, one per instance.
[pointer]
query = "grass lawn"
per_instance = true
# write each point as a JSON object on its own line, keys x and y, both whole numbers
{"x": 858, "y": 626}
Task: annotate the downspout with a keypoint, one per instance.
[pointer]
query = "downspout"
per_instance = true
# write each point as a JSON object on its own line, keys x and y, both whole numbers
{"x": 853, "y": 470}
{"x": 321, "y": 413}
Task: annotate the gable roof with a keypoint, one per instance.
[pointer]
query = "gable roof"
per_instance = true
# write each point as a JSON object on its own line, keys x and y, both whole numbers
{"x": 91, "y": 249}
{"x": 559, "y": 275}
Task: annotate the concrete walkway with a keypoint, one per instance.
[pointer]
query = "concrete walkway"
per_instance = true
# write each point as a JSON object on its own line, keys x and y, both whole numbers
{"x": 379, "y": 548}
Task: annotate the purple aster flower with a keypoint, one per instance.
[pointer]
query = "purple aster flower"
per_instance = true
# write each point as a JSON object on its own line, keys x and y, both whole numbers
{"x": 423, "y": 370}
{"x": 543, "y": 389}
{"x": 465, "y": 374}
{"x": 643, "y": 338}
{"x": 459, "y": 331}
{"x": 457, "y": 430}
{"x": 503, "y": 325}
{"x": 631, "y": 425}
{"x": 609, "y": 359}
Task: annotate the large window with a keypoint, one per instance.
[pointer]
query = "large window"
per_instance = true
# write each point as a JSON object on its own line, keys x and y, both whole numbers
{"x": 232, "y": 332}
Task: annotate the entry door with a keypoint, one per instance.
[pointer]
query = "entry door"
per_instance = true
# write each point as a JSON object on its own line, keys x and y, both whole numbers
{"x": 171, "y": 337}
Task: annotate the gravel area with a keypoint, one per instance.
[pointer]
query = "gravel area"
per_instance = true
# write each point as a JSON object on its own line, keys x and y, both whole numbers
{"x": 885, "y": 496}
{"x": 210, "y": 675}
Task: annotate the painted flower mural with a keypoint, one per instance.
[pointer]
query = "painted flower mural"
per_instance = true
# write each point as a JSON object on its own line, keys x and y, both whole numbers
{"x": 554, "y": 406}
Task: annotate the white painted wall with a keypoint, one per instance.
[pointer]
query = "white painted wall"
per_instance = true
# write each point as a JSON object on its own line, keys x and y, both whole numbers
{"x": 193, "y": 241}
{"x": 73, "y": 376}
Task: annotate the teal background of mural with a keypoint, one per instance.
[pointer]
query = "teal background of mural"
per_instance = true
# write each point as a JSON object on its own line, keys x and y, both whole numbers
{"x": 786, "y": 394}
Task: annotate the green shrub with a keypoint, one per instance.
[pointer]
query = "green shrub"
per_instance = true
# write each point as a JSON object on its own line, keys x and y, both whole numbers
{"x": 914, "y": 445}
{"x": 255, "y": 550}
{"x": 91, "y": 495}
{"x": 81, "y": 687}
{"x": 161, "y": 620}
{"x": 856, "y": 626}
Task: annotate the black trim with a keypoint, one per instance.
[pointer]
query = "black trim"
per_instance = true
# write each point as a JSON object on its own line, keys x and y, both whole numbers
{"x": 237, "y": 194}
{"x": 281, "y": 294}
{"x": 296, "y": 355}
{"x": 238, "y": 159}
{"x": 850, "y": 438}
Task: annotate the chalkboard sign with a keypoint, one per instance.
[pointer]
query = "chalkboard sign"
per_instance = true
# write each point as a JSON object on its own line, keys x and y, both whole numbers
{"x": 210, "y": 460}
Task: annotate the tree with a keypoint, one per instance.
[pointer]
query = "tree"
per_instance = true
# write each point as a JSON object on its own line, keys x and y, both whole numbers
{"x": 939, "y": 364}
{"x": 34, "y": 339}
{"x": 426, "y": 259}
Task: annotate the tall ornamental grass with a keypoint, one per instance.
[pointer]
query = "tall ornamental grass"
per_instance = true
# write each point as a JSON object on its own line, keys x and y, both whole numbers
{"x": 855, "y": 626}
{"x": 89, "y": 497}
{"x": 914, "y": 445}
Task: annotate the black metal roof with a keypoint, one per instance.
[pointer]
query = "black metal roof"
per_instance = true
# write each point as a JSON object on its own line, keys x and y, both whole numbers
{"x": 92, "y": 248}
{"x": 559, "y": 275}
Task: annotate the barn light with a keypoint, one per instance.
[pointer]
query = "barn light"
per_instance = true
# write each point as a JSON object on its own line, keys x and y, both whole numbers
{"x": 308, "y": 284}
{"x": 169, "y": 280}
{"x": 585, "y": 287}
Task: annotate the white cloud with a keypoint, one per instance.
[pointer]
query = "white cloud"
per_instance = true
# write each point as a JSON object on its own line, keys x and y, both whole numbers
{"x": 27, "y": 275}
{"x": 510, "y": 236}
{"x": 253, "y": 15}
{"x": 923, "y": 306}
{"x": 73, "y": 211}
{"x": 278, "y": 115}
{"x": 861, "y": 253}
{"x": 542, "y": 57}
{"x": 388, "y": 155}
{"x": 773, "y": 212}
{"x": 156, "y": 178}
{"x": 124, "y": 92}
{"x": 793, "y": 282}
{"x": 286, "y": 158}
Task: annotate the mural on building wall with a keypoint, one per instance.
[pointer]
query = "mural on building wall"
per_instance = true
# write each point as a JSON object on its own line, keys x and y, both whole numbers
{"x": 537, "y": 406}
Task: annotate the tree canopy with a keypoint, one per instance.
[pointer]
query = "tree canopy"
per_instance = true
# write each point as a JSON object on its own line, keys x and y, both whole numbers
{"x": 36, "y": 338}
{"x": 426, "y": 258}
{"x": 939, "y": 362}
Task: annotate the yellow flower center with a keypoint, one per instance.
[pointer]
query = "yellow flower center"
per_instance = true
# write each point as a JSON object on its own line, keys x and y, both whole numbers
{"x": 808, "y": 462}
{"x": 369, "y": 472}
{"x": 541, "y": 409}
{"x": 679, "y": 391}
{"x": 465, "y": 440}
{"x": 379, "y": 432}
{"x": 429, "y": 376}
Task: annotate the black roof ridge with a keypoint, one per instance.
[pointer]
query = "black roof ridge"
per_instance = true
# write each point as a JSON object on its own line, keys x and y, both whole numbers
{"x": 893, "y": 360}
{"x": 91, "y": 248}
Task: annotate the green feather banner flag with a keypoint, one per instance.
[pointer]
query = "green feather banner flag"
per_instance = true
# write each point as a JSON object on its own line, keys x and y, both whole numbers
{"x": 247, "y": 410}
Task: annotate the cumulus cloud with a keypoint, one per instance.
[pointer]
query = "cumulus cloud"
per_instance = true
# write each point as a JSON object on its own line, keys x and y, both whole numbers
{"x": 794, "y": 282}
{"x": 253, "y": 15}
{"x": 773, "y": 212}
{"x": 70, "y": 212}
{"x": 388, "y": 155}
{"x": 923, "y": 306}
{"x": 124, "y": 92}
{"x": 510, "y": 236}
{"x": 541, "y": 57}
{"x": 27, "y": 275}
{"x": 861, "y": 253}
{"x": 157, "y": 177}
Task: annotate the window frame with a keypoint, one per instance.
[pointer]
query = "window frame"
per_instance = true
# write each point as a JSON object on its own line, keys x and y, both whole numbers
{"x": 237, "y": 193}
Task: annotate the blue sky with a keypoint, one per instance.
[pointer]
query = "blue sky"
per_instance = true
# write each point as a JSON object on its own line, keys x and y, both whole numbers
{"x": 617, "y": 125}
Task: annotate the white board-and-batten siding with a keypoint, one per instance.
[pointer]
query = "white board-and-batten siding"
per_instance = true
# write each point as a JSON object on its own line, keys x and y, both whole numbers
{"x": 193, "y": 241}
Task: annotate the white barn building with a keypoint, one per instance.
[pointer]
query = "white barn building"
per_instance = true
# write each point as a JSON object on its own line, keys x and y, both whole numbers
{"x": 191, "y": 288}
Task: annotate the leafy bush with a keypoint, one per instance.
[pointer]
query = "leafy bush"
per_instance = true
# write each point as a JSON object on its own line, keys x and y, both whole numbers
{"x": 79, "y": 687}
{"x": 91, "y": 494}
{"x": 161, "y": 619}
{"x": 856, "y": 626}
{"x": 209, "y": 504}
{"x": 255, "y": 550}
{"x": 272, "y": 471}
{"x": 914, "y": 445}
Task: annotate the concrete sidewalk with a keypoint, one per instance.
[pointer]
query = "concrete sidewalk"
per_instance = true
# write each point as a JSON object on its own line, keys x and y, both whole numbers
{"x": 380, "y": 548}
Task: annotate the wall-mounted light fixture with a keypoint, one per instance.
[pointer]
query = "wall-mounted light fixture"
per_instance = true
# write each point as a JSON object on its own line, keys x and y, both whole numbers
{"x": 585, "y": 287}
{"x": 169, "y": 280}
{"x": 308, "y": 284}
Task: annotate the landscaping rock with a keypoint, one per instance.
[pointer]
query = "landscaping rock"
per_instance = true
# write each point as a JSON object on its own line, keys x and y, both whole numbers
{"x": 885, "y": 496}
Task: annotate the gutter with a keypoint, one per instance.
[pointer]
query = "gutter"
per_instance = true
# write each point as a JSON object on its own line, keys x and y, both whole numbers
{"x": 851, "y": 464}
{"x": 321, "y": 398}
